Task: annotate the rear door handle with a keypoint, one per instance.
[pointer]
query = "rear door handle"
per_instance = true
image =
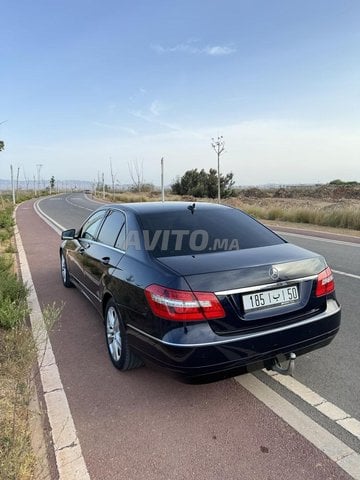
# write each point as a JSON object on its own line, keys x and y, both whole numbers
{"x": 105, "y": 260}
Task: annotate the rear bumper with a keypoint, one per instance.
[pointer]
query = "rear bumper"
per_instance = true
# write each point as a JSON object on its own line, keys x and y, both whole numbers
{"x": 197, "y": 354}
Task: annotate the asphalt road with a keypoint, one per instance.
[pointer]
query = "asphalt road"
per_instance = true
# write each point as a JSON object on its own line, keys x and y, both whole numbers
{"x": 333, "y": 372}
{"x": 142, "y": 424}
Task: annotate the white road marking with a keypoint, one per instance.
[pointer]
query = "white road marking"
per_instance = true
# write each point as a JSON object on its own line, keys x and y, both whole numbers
{"x": 327, "y": 408}
{"x": 77, "y": 206}
{"x": 313, "y": 231}
{"x": 69, "y": 459}
{"x": 344, "y": 456}
{"x": 54, "y": 225}
{"x": 321, "y": 239}
{"x": 346, "y": 274}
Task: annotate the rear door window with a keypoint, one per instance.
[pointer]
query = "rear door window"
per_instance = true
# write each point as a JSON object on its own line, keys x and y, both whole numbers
{"x": 113, "y": 224}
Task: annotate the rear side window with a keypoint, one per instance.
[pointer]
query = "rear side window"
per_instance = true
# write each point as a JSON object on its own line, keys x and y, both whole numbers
{"x": 206, "y": 230}
{"x": 111, "y": 227}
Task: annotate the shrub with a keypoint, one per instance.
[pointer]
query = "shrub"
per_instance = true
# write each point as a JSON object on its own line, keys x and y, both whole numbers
{"x": 6, "y": 219}
{"x": 201, "y": 184}
{"x": 5, "y": 265}
{"x": 12, "y": 288}
{"x": 12, "y": 314}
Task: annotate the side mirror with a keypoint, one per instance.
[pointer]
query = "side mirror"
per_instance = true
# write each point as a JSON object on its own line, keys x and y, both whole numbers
{"x": 68, "y": 234}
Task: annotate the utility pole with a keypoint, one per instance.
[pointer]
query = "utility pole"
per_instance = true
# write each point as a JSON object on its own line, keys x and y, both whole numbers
{"x": 162, "y": 180}
{"x": 17, "y": 180}
{"x": 113, "y": 180}
{"x": 12, "y": 184}
{"x": 38, "y": 168}
{"x": 103, "y": 184}
{"x": 219, "y": 147}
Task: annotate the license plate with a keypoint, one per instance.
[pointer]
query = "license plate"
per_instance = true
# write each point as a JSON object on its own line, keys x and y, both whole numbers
{"x": 271, "y": 298}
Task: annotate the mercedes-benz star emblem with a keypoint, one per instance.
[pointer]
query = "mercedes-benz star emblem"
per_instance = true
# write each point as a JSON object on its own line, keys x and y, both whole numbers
{"x": 274, "y": 273}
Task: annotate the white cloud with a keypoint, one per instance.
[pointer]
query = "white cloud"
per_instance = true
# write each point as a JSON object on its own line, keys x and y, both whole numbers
{"x": 152, "y": 117}
{"x": 190, "y": 48}
{"x": 218, "y": 50}
{"x": 155, "y": 108}
{"x": 111, "y": 126}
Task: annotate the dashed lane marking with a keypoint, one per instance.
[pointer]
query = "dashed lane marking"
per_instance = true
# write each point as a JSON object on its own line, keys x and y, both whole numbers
{"x": 331, "y": 411}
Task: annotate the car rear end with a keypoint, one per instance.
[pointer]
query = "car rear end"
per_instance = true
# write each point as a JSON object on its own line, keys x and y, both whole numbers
{"x": 244, "y": 308}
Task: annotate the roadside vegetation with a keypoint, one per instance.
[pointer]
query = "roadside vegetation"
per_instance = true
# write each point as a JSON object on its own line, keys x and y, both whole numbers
{"x": 346, "y": 217}
{"x": 17, "y": 359}
{"x": 336, "y": 204}
{"x": 201, "y": 184}
{"x": 17, "y": 352}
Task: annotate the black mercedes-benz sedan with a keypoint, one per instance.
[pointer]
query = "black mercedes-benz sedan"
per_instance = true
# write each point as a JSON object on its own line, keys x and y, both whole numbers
{"x": 202, "y": 290}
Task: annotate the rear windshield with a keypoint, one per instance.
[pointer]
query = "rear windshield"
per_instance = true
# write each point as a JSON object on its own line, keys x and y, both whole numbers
{"x": 168, "y": 234}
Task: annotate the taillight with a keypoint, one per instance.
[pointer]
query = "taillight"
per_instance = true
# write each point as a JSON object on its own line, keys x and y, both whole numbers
{"x": 182, "y": 305}
{"x": 325, "y": 283}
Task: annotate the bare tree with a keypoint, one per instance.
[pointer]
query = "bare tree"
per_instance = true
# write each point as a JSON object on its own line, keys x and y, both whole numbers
{"x": 113, "y": 179}
{"x": 136, "y": 171}
{"x": 219, "y": 146}
{"x": 17, "y": 179}
{"x": 27, "y": 181}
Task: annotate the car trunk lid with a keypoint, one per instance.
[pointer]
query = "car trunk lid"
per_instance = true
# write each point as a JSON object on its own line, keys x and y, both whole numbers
{"x": 269, "y": 271}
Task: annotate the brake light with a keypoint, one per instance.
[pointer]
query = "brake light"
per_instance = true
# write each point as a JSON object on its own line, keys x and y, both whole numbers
{"x": 182, "y": 305}
{"x": 325, "y": 283}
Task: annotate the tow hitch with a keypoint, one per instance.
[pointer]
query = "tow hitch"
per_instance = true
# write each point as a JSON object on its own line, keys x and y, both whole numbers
{"x": 287, "y": 370}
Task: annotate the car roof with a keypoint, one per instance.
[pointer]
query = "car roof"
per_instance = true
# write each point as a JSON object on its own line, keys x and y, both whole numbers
{"x": 161, "y": 207}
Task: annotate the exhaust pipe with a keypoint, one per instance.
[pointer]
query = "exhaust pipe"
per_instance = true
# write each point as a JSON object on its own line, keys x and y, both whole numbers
{"x": 289, "y": 369}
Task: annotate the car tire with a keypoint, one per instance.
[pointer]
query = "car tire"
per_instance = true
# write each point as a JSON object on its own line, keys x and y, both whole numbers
{"x": 65, "y": 272}
{"x": 116, "y": 340}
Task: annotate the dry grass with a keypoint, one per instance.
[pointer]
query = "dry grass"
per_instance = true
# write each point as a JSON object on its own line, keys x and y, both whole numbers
{"x": 17, "y": 359}
{"x": 323, "y": 211}
{"x": 17, "y": 353}
{"x": 17, "y": 460}
{"x": 343, "y": 214}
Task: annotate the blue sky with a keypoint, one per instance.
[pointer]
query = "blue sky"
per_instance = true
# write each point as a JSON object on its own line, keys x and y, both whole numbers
{"x": 83, "y": 82}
